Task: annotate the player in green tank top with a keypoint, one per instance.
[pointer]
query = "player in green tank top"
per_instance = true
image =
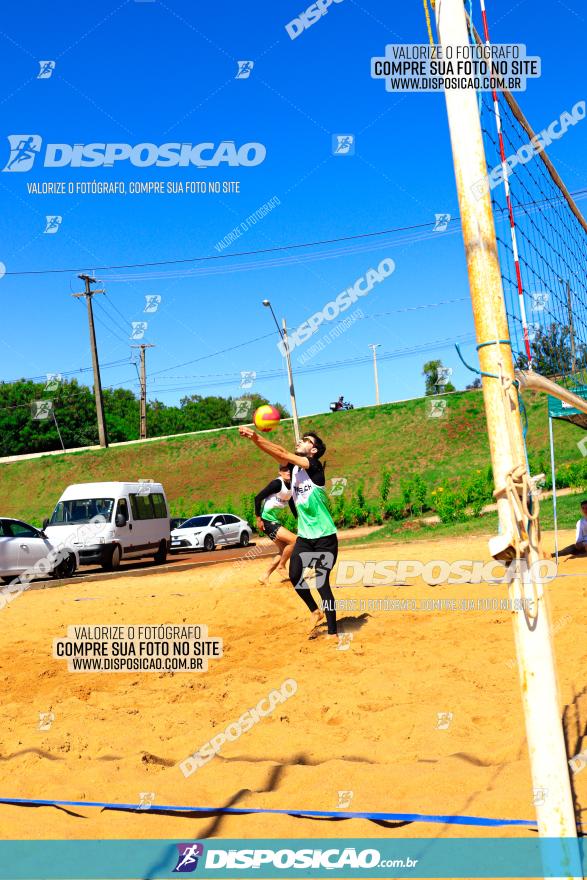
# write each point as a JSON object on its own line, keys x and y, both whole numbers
{"x": 317, "y": 544}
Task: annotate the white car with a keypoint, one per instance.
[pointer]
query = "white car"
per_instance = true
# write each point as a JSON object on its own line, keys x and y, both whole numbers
{"x": 209, "y": 530}
{"x": 22, "y": 545}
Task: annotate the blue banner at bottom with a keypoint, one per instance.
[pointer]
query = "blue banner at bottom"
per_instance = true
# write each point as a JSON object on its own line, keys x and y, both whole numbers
{"x": 275, "y": 858}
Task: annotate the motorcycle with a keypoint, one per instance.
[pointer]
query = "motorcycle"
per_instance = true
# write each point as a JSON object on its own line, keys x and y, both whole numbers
{"x": 340, "y": 404}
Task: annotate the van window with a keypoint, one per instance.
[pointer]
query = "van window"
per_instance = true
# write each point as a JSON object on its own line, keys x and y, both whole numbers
{"x": 159, "y": 506}
{"x": 141, "y": 506}
{"x": 150, "y": 506}
{"x": 122, "y": 507}
{"x": 82, "y": 510}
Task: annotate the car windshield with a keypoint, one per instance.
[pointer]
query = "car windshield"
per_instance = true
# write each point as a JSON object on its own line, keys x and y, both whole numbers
{"x": 196, "y": 522}
{"x": 82, "y": 510}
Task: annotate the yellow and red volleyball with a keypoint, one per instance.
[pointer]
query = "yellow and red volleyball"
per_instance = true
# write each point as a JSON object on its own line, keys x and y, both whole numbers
{"x": 266, "y": 417}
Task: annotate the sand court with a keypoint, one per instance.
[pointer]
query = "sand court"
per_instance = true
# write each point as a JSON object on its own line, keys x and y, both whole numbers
{"x": 414, "y": 711}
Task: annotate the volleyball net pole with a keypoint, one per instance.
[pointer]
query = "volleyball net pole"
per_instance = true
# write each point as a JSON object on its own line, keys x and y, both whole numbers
{"x": 519, "y": 530}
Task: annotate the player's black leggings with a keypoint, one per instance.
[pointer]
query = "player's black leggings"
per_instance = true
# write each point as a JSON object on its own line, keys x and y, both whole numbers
{"x": 320, "y": 554}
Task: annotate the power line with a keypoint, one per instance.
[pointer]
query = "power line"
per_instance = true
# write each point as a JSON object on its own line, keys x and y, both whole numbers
{"x": 43, "y": 377}
{"x": 250, "y": 341}
{"x": 361, "y": 235}
{"x": 215, "y": 353}
{"x": 115, "y": 307}
{"x": 277, "y": 374}
{"x": 324, "y": 367}
{"x": 114, "y": 332}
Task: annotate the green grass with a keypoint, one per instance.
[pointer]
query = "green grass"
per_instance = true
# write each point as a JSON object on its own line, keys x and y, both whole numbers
{"x": 568, "y": 512}
{"x": 220, "y": 467}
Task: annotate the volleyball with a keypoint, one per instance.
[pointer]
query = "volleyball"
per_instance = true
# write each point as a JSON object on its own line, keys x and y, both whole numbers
{"x": 266, "y": 417}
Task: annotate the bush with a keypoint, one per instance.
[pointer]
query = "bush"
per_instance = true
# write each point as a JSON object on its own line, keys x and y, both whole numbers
{"x": 247, "y": 508}
{"x": 414, "y": 492}
{"x": 385, "y": 485}
{"x": 450, "y": 506}
{"x": 477, "y": 492}
{"x": 394, "y": 510}
{"x": 340, "y": 512}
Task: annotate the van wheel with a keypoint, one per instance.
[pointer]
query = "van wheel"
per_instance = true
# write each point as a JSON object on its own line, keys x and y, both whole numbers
{"x": 66, "y": 567}
{"x": 113, "y": 560}
{"x": 161, "y": 554}
{"x": 245, "y": 538}
{"x": 209, "y": 543}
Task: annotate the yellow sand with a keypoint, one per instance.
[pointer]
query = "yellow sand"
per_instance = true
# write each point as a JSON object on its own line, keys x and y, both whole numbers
{"x": 363, "y": 720}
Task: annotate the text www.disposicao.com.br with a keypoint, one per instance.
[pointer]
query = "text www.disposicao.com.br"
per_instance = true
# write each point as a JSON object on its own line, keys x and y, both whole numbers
{"x": 134, "y": 664}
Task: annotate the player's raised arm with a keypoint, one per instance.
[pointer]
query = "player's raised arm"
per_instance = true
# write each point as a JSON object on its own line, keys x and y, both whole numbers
{"x": 279, "y": 453}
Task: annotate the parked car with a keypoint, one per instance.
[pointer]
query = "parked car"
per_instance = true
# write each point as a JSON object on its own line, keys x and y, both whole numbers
{"x": 22, "y": 545}
{"x": 209, "y": 530}
{"x": 134, "y": 522}
{"x": 176, "y": 521}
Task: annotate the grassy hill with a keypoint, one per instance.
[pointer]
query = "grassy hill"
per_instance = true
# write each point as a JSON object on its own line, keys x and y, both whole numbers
{"x": 220, "y": 467}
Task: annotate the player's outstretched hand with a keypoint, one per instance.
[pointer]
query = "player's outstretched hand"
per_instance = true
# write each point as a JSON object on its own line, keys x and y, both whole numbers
{"x": 244, "y": 431}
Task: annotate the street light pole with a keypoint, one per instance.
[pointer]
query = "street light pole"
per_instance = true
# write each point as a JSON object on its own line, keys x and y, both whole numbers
{"x": 374, "y": 347}
{"x": 292, "y": 393}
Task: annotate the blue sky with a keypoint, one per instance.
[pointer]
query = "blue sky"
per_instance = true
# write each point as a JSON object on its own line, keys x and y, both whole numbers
{"x": 155, "y": 72}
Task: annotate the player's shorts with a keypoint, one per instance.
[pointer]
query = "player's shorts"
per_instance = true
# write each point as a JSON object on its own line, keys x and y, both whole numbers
{"x": 270, "y": 527}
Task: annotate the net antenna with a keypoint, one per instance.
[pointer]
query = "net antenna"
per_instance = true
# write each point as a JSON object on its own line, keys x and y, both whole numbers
{"x": 518, "y": 542}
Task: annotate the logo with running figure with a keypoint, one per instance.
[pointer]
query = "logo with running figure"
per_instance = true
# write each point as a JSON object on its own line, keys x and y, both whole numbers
{"x": 188, "y": 856}
{"x": 322, "y": 561}
{"x": 343, "y": 145}
{"x": 46, "y": 69}
{"x": 23, "y": 151}
{"x": 244, "y": 69}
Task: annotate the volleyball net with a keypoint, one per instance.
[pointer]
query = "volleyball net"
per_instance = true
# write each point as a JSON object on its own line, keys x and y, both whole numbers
{"x": 542, "y": 239}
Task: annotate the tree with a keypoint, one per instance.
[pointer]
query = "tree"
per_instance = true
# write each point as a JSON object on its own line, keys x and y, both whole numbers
{"x": 476, "y": 383}
{"x": 436, "y": 378}
{"x": 75, "y": 410}
{"x": 551, "y": 352}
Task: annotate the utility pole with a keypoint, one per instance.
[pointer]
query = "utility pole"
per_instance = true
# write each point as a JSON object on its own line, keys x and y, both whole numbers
{"x": 519, "y": 537}
{"x": 143, "y": 380}
{"x": 374, "y": 347}
{"x": 571, "y": 328}
{"x": 88, "y": 293}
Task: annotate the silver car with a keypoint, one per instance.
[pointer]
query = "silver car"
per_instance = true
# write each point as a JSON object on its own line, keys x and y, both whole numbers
{"x": 22, "y": 546}
{"x": 210, "y": 530}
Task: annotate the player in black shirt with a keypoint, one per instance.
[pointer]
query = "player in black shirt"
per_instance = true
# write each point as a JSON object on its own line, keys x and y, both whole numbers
{"x": 275, "y": 497}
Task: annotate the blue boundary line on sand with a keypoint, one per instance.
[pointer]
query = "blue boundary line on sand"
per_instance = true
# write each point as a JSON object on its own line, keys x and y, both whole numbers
{"x": 322, "y": 814}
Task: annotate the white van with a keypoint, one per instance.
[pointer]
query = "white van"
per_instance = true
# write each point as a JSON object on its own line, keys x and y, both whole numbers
{"x": 108, "y": 522}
